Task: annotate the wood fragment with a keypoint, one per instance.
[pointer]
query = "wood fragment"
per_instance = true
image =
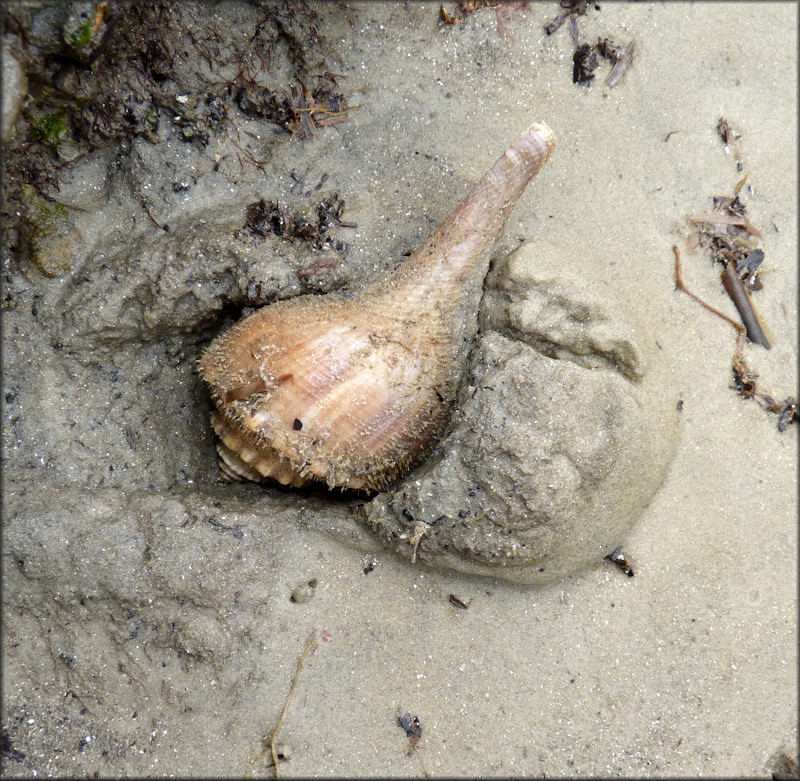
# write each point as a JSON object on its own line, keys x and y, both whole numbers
{"x": 717, "y": 218}
{"x": 741, "y": 183}
{"x": 554, "y": 24}
{"x": 624, "y": 60}
{"x": 756, "y": 328}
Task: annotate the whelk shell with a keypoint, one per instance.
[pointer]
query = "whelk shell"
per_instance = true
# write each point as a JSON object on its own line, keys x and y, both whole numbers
{"x": 349, "y": 390}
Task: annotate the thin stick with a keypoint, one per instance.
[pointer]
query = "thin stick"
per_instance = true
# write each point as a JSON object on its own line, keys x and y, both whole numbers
{"x": 679, "y": 284}
{"x": 756, "y": 328}
{"x": 310, "y": 645}
{"x": 421, "y": 763}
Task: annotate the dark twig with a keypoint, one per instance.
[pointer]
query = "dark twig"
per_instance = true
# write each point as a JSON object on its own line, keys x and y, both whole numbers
{"x": 744, "y": 303}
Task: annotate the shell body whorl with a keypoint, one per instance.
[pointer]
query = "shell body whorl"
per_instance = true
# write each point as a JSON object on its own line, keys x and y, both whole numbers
{"x": 350, "y": 390}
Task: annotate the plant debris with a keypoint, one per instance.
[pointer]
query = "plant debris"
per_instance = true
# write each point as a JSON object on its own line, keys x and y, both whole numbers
{"x": 265, "y": 217}
{"x": 300, "y": 111}
{"x": 463, "y": 9}
{"x": 572, "y": 10}
{"x": 622, "y": 59}
{"x": 413, "y": 729}
{"x": 726, "y": 132}
{"x": 732, "y": 241}
{"x": 745, "y": 380}
{"x": 584, "y": 61}
{"x": 504, "y": 11}
{"x": 271, "y": 741}
{"x": 731, "y": 138}
{"x": 104, "y": 74}
{"x": 584, "y": 58}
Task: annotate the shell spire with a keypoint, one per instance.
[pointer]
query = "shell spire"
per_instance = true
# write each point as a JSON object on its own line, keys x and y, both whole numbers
{"x": 350, "y": 390}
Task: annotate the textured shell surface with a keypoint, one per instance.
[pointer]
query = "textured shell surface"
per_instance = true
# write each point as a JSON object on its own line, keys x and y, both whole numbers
{"x": 350, "y": 390}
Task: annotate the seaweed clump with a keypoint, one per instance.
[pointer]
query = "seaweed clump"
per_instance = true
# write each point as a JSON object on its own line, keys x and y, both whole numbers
{"x": 108, "y": 73}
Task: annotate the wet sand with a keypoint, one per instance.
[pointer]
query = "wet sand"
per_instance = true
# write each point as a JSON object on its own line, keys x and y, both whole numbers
{"x": 149, "y": 624}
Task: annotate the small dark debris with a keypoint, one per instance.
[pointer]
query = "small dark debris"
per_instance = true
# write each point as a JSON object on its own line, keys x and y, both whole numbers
{"x": 783, "y": 766}
{"x": 554, "y": 24}
{"x": 253, "y": 292}
{"x": 584, "y": 61}
{"x": 412, "y": 727}
{"x": 298, "y": 424}
{"x": 753, "y": 282}
{"x": 726, "y": 132}
{"x": 725, "y": 203}
{"x": 329, "y": 212}
{"x": 624, "y": 561}
{"x": 322, "y": 181}
{"x": 789, "y": 414}
{"x": 264, "y": 217}
{"x": 608, "y": 49}
{"x": 746, "y": 384}
{"x": 197, "y": 123}
{"x": 130, "y": 437}
{"x": 267, "y": 217}
{"x": 572, "y": 10}
{"x": 679, "y": 405}
{"x": 750, "y": 263}
{"x": 454, "y": 600}
{"x": 744, "y": 378}
{"x": 235, "y": 530}
{"x": 266, "y": 104}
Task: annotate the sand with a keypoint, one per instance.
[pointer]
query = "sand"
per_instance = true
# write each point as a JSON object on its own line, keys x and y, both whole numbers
{"x": 153, "y": 616}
